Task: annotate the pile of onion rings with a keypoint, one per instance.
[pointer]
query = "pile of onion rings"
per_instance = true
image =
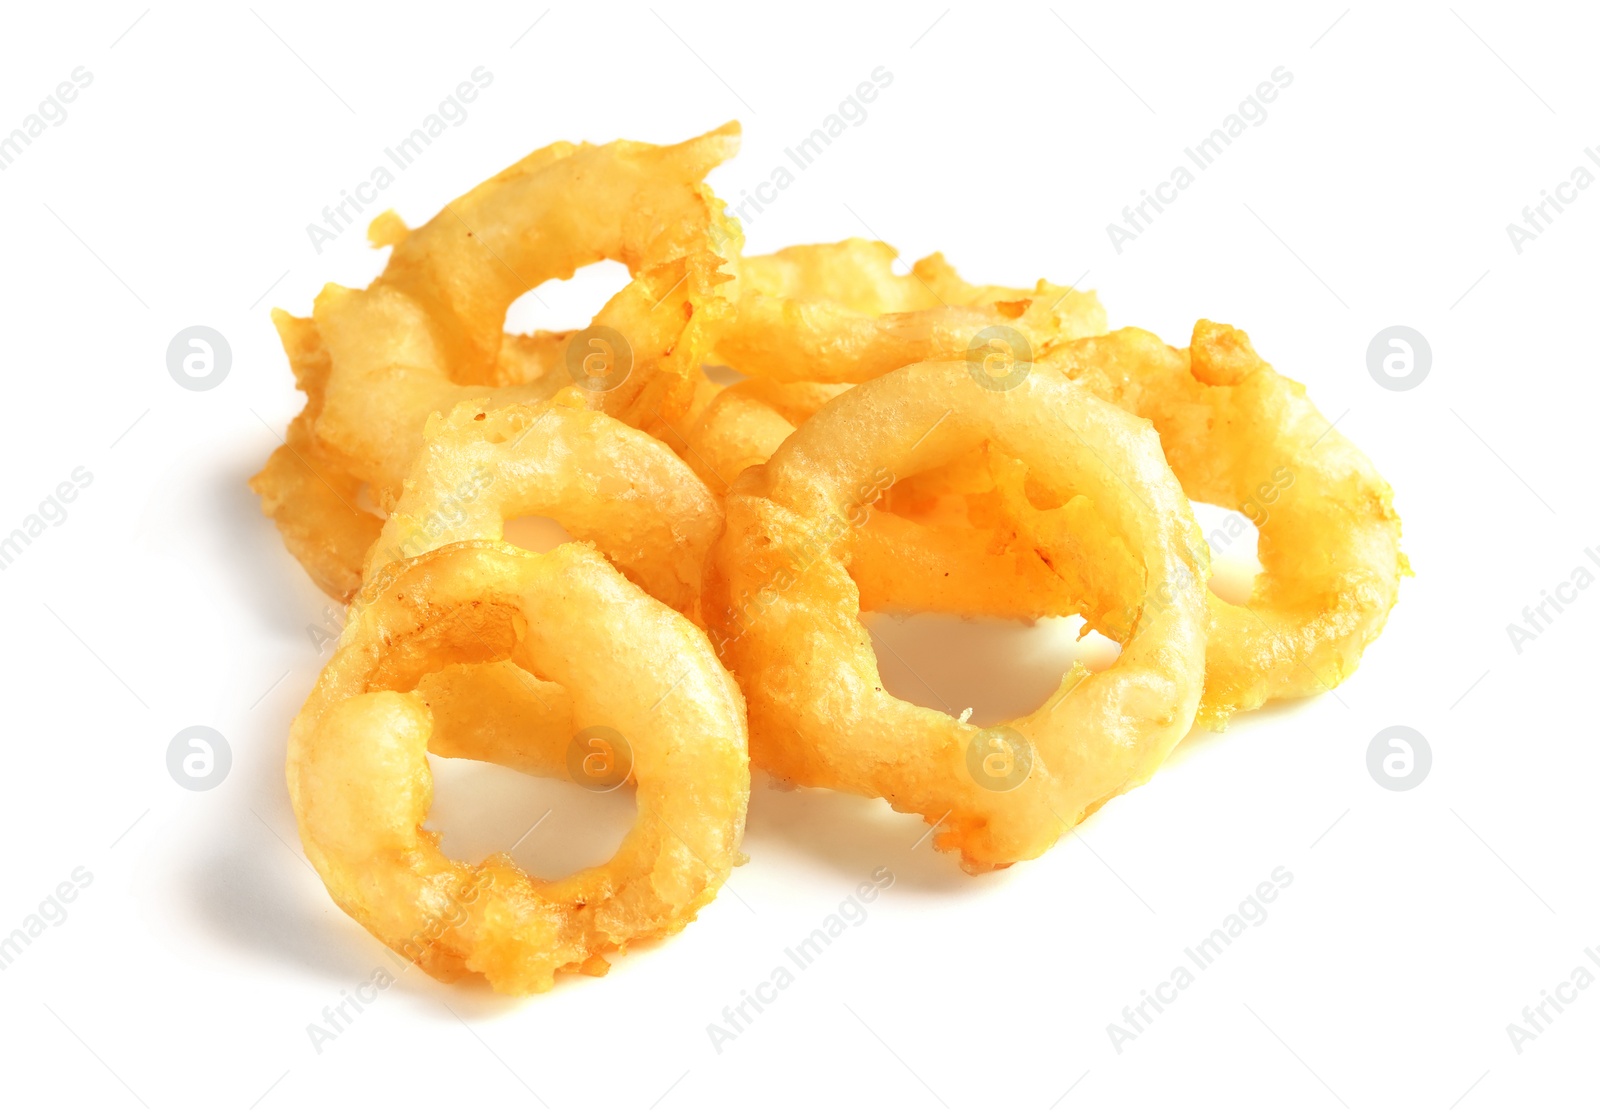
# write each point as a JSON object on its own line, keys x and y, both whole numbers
{"x": 867, "y": 438}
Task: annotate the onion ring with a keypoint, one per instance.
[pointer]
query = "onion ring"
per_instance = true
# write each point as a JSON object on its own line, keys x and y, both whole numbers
{"x": 604, "y": 482}
{"x": 361, "y": 788}
{"x": 1240, "y": 435}
{"x": 784, "y": 612}
{"x": 428, "y": 332}
{"x": 1325, "y": 596}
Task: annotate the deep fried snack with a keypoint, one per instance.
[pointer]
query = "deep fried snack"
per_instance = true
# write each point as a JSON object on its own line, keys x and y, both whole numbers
{"x": 742, "y": 425}
{"x": 784, "y": 611}
{"x": 899, "y": 564}
{"x": 564, "y": 206}
{"x": 428, "y": 331}
{"x": 903, "y": 562}
{"x": 316, "y": 505}
{"x": 674, "y": 433}
{"x": 604, "y": 481}
{"x": 361, "y": 788}
{"x": 1331, "y": 557}
{"x": 838, "y": 313}
{"x": 1240, "y": 435}
{"x": 426, "y": 335}
{"x": 496, "y": 712}
{"x": 308, "y": 489}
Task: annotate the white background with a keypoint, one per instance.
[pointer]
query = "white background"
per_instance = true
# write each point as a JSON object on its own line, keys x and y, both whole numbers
{"x": 1377, "y": 192}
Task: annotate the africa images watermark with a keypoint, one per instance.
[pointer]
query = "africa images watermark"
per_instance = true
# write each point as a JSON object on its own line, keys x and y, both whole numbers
{"x": 51, "y": 111}
{"x": 1537, "y": 617}
{"x": 1252, "y": 111}
{"x": 344, "y": 1012}
{"x": 199, "y": 758}
{"x": 450, "y": 513}
{"x": 326, "y": 631}
{"x": 451, "y": 111}
{"x": 1253, "y": 909}
{"x": 1253, "y": 507}
{"x": 438, "y": 923}
{"x": 1537, "y": 218}
{"x": 51, "y": 512}
{"x": 1543, "y": 1013}
{"x": 52, "y": 909}
{"x": 849, "y": 913}
{"x": 851, "y": 111}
